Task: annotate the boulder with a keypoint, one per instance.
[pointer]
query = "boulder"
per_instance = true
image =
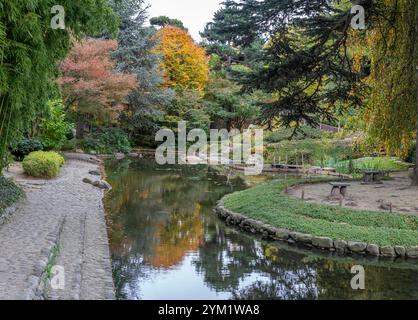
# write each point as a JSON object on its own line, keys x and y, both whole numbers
{"x": 412, "y": 252}
{"x": 301, "y": 237}
{"x": 322, "y": 242}
{"x": 373, "y": 250}
{"x": 400, "y": 251}
{"x": 119, "y": 156}
{"x": 357, "y": 247}
{"x": 387, "y": 251}
{"x": 340, "y": 245}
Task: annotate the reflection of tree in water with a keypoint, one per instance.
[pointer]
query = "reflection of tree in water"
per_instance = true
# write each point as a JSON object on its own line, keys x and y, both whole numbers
{"x": 157, "y": 215}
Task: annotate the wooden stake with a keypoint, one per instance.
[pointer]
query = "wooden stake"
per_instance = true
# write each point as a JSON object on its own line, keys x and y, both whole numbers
{"x": 303, "y": 194}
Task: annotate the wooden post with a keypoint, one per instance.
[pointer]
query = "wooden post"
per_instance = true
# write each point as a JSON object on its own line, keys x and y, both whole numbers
{"x": 341, "y": 201}
{"x": 390, "y": 207}
{"x": 303, "y": 194}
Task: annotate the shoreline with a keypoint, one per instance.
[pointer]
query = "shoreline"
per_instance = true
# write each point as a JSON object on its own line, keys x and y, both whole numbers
{"x": 61, "y": 222}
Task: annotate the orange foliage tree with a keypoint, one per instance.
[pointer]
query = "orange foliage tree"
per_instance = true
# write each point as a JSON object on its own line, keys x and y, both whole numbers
{"x": 185, "y": 63}
{"x": 91, "y": 87}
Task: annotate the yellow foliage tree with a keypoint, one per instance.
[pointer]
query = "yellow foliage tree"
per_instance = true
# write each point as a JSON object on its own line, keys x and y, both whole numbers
{"x": 185, "y": 63}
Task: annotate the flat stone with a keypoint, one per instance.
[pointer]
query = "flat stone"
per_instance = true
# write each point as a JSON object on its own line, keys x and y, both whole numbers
{"x": 301, "y": 237}
{"x": 357, "y": 247}
{"x": 387, "y": 251}
{"x": 133, "y": 154}
{"x": 95, "y": 172}
{"x": 87, "y": 180}
{"x": 340, "y": 245}
{"x": 101, "y": 184}
{"x": 322, "y": 242}
{"x": 373, "y": 250}
{"x": 412, "y": 252}
{"x": 282, "y": 234}
{"x": 400, "y": 251}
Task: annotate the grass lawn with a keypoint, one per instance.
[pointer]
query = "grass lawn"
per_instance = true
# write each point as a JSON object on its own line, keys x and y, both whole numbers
{"x": 268, "y": 203}
{"x": 372, "y": 163}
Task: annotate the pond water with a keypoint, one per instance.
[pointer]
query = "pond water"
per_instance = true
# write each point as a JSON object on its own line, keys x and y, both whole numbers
{"x": 166, "y": 243}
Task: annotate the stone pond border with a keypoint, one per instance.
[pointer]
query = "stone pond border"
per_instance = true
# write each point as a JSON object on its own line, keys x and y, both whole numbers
{"x": 271, "y": 233}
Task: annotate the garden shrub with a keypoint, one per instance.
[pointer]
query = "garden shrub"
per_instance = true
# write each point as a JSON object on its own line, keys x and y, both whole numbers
{"x": 26, "y": 146}
{"x": 108, "y": 141}
{"x": 9, "y": 193}
{"x": 42, "y": 164}
{"x": 55, "y": 128}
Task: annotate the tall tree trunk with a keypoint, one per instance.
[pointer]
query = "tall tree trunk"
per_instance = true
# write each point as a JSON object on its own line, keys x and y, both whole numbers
{"x": 415, "y": 179}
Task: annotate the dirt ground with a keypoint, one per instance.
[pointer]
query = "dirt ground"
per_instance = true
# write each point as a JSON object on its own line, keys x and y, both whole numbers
{"x": 396, "y": 192}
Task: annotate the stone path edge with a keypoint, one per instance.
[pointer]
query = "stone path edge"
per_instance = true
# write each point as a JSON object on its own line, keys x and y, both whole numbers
{"x": 271, "y": 233}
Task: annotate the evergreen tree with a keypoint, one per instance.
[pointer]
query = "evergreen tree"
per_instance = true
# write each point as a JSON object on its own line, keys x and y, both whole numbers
{"x": 136, "y": 55}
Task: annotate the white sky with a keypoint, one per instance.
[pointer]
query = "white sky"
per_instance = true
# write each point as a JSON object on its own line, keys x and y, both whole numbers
{"x": 194, "y": 13}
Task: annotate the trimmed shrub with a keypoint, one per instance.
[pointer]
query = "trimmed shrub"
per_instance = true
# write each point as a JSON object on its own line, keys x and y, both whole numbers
{"x": 26, "y": 146}
{"x": 42, "y": 164}
{"x": 108, "y": 141}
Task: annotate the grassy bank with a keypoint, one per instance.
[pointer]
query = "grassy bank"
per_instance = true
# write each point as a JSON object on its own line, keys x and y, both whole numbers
{"x": 9, "y": 193}
{"x": 269, "y": 204}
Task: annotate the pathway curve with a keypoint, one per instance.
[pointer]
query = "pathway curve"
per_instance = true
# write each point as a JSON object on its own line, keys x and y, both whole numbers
{"x": 64, "y": 214}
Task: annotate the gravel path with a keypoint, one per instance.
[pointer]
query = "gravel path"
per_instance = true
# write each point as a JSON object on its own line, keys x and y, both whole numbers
{"x": 60, "y": 223}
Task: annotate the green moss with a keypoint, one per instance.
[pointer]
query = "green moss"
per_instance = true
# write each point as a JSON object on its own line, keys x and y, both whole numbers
{"x": 9, "y": 193}
{"x": 267, "y": 203}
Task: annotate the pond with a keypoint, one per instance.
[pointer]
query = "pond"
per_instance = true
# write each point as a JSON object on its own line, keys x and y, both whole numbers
{"x": 166, "y": 243}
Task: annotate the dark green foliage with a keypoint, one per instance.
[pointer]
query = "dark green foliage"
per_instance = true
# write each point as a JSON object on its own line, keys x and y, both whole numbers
{"x": 304, "y": 132}
{"x": 29, "y": 52}
{"x": 26, "y": 146}
{"x": 9, "y": 193}
{"x": 163, "y": 21}
{"x": 303, "y": 62}
{"x": 411, "y": 158}
{"x": 108, "y": 141}
{"x": 267, "y": 203}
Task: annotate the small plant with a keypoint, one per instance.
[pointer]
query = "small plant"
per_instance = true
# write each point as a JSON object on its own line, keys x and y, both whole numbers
{"x": 26, "y": 146}
{"x": 42, "y": 164}
{"x": 9, "y": 193}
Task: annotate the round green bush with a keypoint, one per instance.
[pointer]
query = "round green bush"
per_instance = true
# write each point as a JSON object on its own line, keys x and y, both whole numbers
{"x": 42, "y": 164}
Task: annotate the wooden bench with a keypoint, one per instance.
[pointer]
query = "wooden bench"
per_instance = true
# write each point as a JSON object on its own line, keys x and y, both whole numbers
{"x": 373, "y": 176}
{"x": 341, "y": 187}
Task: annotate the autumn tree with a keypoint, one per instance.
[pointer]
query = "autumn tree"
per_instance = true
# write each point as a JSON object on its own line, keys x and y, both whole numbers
{"x": 184, "y": 62}
{"x": 92, "y": 89}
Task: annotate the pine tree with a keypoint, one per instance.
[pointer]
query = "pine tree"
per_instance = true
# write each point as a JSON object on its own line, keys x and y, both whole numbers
{"x": 136, "y": 55}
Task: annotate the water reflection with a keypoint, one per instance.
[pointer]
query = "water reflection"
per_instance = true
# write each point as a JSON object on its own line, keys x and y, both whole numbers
{"x": 167, "y": 244}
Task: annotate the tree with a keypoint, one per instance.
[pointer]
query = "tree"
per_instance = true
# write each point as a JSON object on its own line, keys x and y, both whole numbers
{"x": 135, "y": 54}
{"x": 29, "y": 51}
{"x": 92, "y": 89}
{"x": 185, "y": 63}
{"x": 307, "y": 62}
{"x": 164, "y": 21}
